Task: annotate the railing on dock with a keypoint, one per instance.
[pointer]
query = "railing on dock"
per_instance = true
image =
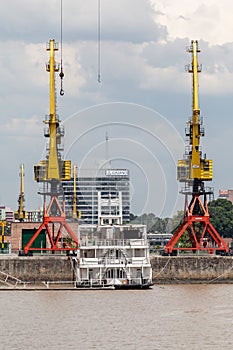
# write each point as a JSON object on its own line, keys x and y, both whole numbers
{"x": 11, "y": 281}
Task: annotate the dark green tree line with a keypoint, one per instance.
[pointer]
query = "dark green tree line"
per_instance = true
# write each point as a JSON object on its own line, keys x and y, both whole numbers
{"x": 221, "y": 217}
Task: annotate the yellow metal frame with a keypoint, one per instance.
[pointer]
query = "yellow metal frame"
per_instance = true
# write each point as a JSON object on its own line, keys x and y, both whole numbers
{"x": 53, "y": 168}
{"x": 195, "y": 167}
{"x": 2, "y": 236}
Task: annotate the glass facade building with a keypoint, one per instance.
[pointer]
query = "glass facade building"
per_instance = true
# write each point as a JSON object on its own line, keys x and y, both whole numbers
{"x": 107, "y": 182}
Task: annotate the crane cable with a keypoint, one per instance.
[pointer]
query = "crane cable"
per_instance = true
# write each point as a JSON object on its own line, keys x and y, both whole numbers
{"x": 99, "y": 42}
{"x": 61, "y": 72}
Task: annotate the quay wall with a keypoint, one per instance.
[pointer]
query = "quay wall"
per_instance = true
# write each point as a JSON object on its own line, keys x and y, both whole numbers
{"x": 192, "y": 269}
{"x": 166, "y": 269}
{"x": 36, "y": 269}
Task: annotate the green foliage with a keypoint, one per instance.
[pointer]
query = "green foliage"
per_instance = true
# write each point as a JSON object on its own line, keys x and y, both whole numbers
{"x": 154, "y": 223}
{"x": 221, "y": 216}
{"x": 176, "y": 220}
{"x": 184, "y": 241}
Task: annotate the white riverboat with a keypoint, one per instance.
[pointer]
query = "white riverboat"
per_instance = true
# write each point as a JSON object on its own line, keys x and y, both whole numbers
{"x": 113, "y": 255}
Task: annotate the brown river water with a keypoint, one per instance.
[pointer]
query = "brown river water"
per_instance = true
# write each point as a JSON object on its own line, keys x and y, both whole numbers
{"x": 164, "y": 317}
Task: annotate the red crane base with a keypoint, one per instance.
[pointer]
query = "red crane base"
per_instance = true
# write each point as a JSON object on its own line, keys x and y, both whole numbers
{"x": 201, "y": 233}
{"x": 54, "y": 226}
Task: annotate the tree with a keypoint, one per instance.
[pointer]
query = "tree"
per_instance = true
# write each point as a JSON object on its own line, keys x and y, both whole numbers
{"x": 132, "y": 217}
{"x": 176, "y": 220}
{"x": 221, "y": 216}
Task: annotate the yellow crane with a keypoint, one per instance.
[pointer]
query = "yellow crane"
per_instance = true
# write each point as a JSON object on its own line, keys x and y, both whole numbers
{"x": 21, "y": 214}
{"x": 51, "y": 172}
{"x": 194, "y": 169}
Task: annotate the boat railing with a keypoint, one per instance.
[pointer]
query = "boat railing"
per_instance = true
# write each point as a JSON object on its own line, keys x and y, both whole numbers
{"x": 116, "y": 242}
{"x": 11, "y": 281}
{"x": 104, "y": 282}
{"x": 108, "y": 260}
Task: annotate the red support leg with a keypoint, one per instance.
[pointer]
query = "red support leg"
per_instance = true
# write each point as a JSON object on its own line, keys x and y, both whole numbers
{"x": 202, "y": 234}
{"x": 59, "y": 225}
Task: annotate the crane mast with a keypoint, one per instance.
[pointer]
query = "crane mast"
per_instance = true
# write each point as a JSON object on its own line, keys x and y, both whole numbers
{"x": 53, "y": 169}
{"x": 195, "y": 123}
{"x": 53, "y": 164}
{"x": 21, "y": 212}
{"x": 51, "y": 172}
{"x": 193, "y": 170}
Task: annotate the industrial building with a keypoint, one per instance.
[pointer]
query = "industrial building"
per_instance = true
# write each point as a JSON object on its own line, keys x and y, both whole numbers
{"x": 107, "y": 182}
{"x": 6, "y": 214}
{"x": 226, "y": 194}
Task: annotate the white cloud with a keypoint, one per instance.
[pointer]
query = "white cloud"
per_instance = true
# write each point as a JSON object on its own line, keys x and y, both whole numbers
{"x": 22, "y": 128}
{"x": 210, "y": 21}
{"x": 142, "y": 61}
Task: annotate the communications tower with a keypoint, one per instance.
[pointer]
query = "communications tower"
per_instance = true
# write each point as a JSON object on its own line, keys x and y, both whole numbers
{"x": 193, "y": 170}
{"x": 50, "y": 172}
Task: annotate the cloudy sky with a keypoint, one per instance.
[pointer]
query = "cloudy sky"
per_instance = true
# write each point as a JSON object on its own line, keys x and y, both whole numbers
{"x": 143, "y": 100}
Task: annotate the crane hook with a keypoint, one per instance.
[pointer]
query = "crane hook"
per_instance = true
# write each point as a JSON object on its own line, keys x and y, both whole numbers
{"x": 61, "y": 76}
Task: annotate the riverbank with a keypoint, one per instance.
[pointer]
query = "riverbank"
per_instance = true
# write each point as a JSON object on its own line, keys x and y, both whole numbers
{"x": 192, "y": 269}
{"x": 52, "y": 271}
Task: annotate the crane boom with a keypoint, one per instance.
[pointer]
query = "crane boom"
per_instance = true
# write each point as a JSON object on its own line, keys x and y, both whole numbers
{"x": 53, "y": 169}
{"x": 20, "y": 214}
{"x": 195, "y": 123}
{"x": 53, "y": 164}
{"x": 194, "y": 168}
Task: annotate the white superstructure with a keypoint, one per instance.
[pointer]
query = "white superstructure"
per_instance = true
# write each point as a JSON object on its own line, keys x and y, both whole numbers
{"x": 112, "y": 254}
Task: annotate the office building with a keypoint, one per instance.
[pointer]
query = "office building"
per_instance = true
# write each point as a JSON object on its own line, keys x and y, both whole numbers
{"x": 107, "y": 182}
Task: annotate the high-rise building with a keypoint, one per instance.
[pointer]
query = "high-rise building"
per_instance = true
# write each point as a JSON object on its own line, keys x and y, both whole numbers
{"x": 226, "y": 194}
{"x": 6, "y": 214}
{"x": 107, "y": 182}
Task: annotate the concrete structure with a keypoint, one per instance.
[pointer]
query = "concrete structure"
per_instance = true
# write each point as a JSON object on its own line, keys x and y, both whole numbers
{"x": 182, "y": 269}
{"x": 192, "y": 269}
{"x": 15, "y": 238}
{"x": 6, "y": 214}
{"x": 226, "y": 194}
{"x": 34, "y": 215}
{"x": 107, "y": 182}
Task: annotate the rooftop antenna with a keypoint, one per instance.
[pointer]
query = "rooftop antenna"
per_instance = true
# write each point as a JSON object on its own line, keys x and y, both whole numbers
{"x": 61, "y": 70}
{"x": 99, "y": 41}
{"x": 107, "y": 153}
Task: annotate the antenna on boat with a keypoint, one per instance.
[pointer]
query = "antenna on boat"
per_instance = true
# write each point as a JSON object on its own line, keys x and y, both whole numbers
{"x": 99, "y": 41}
{"x": 61, "y": 71}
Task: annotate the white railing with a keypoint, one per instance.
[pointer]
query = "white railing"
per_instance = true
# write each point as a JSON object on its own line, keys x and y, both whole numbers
{"x": 107, "y": 282}
{"x": 115, "y": 242}
{"x": 11, "y": 281}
